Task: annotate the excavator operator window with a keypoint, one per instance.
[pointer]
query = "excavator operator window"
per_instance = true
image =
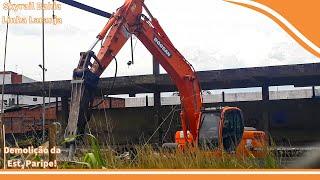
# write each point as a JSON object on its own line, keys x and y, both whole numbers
{"x": 209, "y": 131}
{"x": 233, "y": 127}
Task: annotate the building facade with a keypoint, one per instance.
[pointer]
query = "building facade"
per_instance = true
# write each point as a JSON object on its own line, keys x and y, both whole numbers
{"x": 9, "y": 100}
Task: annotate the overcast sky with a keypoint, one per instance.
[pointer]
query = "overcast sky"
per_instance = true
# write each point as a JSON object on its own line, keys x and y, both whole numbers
{"x": 211, "y": 34}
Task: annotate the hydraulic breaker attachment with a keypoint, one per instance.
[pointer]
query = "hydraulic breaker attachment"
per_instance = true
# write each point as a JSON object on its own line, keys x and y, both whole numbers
{"x": 84, "y": 85}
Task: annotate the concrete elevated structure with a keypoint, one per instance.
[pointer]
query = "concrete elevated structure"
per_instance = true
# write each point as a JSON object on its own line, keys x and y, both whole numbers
{"x": 298, "y": 75}
{"x": 293, "y": 119}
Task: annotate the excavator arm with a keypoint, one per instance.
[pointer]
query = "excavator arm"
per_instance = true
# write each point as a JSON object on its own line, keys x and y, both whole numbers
{"x": 128, "y": 20}
{"x": 180, "y": 71}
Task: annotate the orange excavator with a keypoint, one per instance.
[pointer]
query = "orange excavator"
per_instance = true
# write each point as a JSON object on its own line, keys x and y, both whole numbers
{"x": 219, "y": 129}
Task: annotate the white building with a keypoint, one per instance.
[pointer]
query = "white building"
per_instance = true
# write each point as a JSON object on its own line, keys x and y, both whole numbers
{"x": 14, "y": 100}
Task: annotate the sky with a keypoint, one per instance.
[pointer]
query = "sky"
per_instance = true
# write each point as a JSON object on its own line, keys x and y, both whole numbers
{"x": 211, "y": 34}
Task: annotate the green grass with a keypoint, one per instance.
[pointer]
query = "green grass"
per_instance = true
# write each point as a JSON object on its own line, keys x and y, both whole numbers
{"x": 147, "y": 157}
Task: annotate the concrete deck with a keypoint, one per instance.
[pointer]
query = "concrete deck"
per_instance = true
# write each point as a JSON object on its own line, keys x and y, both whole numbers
{"x": 298, "y": 75}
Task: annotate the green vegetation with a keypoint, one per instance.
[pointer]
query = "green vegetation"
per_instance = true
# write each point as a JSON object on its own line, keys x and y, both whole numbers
{"x": 146, "y": 157}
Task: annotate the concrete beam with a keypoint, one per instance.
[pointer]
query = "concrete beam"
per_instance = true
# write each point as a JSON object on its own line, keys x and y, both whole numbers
{"x": 64, "y": 111}
{"x": 157, "y": 99}
{"x": 298, "y": 75}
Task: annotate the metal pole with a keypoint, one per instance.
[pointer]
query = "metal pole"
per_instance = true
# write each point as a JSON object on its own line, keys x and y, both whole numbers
{"x": 43, "y": 78}
{"x": 2, "y": 156}
{"x": 52, "y": 141}
{"x": 2, "y": 129}
{"x": 4, "y": 146}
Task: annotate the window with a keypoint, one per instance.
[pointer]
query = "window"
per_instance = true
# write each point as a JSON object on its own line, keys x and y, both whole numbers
{"x": 209, "y": 130}
{"x": 11, "y": 101}
{"x": 232, "y": 131}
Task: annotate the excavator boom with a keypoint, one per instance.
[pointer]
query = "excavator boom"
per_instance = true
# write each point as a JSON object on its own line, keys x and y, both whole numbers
{"x": 128, "y": 20}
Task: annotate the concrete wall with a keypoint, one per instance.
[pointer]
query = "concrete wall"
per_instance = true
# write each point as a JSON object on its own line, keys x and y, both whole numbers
{"x": 27, "y": 119}
{"x": 229, "y": 97}
{"x": 7, "y": 78}
{"x": 292, "y": 122}
{"x": 25, "y": 79}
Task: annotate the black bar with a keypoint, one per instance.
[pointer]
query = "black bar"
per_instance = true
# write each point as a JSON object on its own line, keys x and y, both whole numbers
{"x": 110, "y": 103}
{"x": 223, "y": 96}
{"x": 86, "y": 8}
{"x": 147, "y": 101}
{"x": 313, "y": 92}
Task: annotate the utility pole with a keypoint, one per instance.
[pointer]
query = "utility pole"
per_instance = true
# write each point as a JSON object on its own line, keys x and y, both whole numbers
{"x": 2, "y": 127}
{"x": 43, "y": 79}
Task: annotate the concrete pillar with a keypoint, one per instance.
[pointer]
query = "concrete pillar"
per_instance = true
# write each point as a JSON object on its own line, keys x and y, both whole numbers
{"x": 157, "y": 100}
{"x": 147, "y": 101}
{"x": 156, "y": 67}
{"x": 110, "y": 103}
{"x": 18, "y": 103}
{"x": 223, "y": 97}
{"x": 265, "y": 123}
{"x": 64, "y": 111}
{"x": 265, "y": 93}
{"x": 57, "y": 108}
{"x": 313, "y": 92}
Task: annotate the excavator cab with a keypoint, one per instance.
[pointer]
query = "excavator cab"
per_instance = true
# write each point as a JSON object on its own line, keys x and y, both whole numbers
{"x": 219, "y": 129}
